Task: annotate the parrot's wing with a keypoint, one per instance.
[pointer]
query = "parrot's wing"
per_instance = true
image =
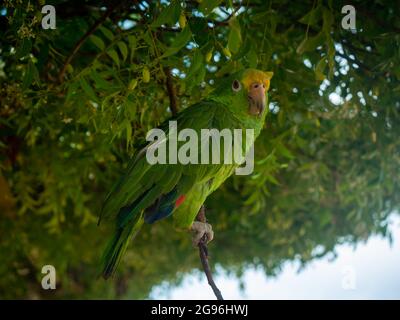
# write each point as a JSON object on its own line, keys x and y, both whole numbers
{"x": 144, "y": 183}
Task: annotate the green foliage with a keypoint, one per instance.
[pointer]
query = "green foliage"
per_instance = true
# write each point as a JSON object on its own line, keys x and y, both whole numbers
{"x": 327, "y": 171}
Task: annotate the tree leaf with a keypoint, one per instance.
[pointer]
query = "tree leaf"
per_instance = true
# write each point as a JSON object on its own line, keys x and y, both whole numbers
{"x": 197, "y": 62}
{"x": 109, "y": 35}
{"x": 235, "y": 36}
{"x": 99, "y": 81}
{"x": 123, "y": 49}
{"x": 28, "y": 76}
{"x": 114, "y": 56}
{"x": 168, "y": 15}
{"x": 179, "y": 42}
{"x": 309, "y": 44}
{"x": 132, "y": 42}
{"x": 99, "y": 43}
{"x": 252, "y": 57}
{"x": 313, "y": 17}
{"x": 88, "y": 89}
{"x": 128, "y": 127}
{"x": 24, "y": 48}
{"x": 207, "y": 6}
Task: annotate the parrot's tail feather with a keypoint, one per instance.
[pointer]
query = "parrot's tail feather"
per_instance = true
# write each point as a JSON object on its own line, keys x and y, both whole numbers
{"x": 118, "y": 244}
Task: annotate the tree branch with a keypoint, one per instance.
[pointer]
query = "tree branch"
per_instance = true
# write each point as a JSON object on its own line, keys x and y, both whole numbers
{"x": 203, "y": 252}
{"x": 351, "y": 60}
{"x": 92, "y": 29}
{"x": 171, "y": 91}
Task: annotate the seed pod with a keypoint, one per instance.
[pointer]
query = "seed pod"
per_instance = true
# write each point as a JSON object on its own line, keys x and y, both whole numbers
{"x": 132, "y": 85}
{"x": 182, "y": 20}
{"x": 146, "y": 75}
{"x": 226, "y": 52}
{"x": 70, "y": 69}
{"x": 209, "y": 55}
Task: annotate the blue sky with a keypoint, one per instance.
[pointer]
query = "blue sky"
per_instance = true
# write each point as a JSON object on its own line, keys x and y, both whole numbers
{"x": 368, "y": 271}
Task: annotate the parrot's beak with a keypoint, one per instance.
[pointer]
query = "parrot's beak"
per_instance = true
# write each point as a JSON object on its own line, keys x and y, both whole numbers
{"x": 257, "y": 98}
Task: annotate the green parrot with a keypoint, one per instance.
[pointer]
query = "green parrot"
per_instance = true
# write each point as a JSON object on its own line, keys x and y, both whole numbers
{"x": 150, "y": 192}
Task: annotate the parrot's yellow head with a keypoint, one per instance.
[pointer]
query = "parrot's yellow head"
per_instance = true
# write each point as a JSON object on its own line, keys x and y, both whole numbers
{"x": 256, "y": 84}
{"x": 251, "y": 76}
{"x": 245, "y": 92}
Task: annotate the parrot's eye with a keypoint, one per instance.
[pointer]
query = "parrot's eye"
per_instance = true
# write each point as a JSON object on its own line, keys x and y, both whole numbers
{"x": 236, "y": 86}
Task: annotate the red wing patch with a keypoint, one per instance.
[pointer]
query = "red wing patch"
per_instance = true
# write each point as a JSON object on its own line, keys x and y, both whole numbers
{"x": 179, "y": 201}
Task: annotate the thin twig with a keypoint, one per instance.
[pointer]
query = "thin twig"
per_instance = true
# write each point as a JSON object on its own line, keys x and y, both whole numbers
{"x": 203, "y": 252}
{"x": 171, "y": 92}
{"x": 92, "y": 29}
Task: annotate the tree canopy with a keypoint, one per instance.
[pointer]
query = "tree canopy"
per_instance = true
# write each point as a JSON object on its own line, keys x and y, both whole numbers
{"x": 76, "y": 101}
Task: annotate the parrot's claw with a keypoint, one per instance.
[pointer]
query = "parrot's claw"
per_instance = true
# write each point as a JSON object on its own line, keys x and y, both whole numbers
{"x": 200, "y": 229}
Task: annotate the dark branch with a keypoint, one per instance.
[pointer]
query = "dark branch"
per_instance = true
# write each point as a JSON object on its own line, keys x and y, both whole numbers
{"x": 203, "y": 252}
{"x": 359, "y": 63}
{"x": 171, "y": 92}
{"x": 92, "y": 29}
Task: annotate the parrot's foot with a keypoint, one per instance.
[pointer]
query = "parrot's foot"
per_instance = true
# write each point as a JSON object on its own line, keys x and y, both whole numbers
{"x": 200, "y": 229}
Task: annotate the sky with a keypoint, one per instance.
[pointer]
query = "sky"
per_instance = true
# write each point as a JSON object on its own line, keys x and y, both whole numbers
{"x": 368, "y": 271}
